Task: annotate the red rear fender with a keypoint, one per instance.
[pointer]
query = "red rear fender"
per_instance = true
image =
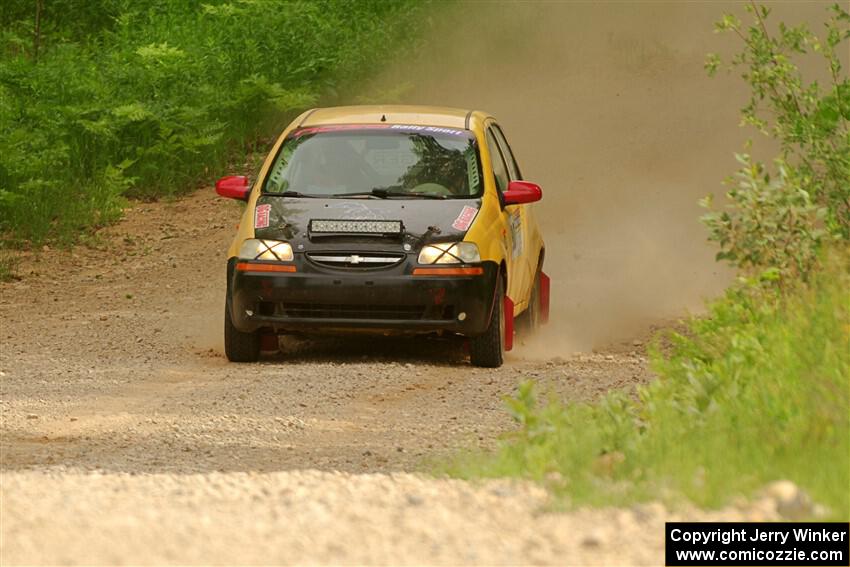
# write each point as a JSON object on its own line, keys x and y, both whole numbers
{"x": 544, "y": 297}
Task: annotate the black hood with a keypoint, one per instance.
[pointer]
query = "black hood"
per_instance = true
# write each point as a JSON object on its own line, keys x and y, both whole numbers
{"x": 422, "y": 220}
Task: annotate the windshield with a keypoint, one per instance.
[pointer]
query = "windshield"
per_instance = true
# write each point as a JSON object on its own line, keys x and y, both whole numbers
{"x": 384, "y": 161}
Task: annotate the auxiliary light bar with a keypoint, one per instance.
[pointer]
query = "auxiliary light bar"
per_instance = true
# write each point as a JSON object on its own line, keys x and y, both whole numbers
{"x": 355, "y": 226}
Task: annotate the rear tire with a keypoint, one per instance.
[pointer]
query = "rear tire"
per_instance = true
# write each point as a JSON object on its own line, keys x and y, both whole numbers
{"x": 239, "y": 346}
{"x": 487, "y": 350}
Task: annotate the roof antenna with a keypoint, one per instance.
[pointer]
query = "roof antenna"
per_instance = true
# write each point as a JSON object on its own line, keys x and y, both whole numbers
{"x": 383, "y": 118}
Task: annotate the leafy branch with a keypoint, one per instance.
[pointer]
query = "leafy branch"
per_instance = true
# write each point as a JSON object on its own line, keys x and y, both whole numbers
{"x": 779, "y": 221}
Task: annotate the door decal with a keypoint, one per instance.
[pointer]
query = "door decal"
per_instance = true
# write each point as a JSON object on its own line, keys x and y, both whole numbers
{"x": 516, "y": 234}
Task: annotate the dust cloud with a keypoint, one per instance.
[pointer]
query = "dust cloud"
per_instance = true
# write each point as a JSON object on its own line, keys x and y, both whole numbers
{"x": 609, "y": 109}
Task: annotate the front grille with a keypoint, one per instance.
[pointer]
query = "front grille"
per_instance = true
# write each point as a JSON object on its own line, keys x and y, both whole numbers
{"x": 356, "y": 261}
{"x": 343, "y": 311}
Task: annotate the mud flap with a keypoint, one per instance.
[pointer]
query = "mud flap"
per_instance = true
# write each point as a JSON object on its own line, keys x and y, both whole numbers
{"x": 509, "y": 323}
{"x": 544, "y": 298}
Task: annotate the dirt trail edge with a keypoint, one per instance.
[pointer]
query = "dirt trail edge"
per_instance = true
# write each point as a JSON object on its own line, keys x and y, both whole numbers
{"x": 127, "y": 437}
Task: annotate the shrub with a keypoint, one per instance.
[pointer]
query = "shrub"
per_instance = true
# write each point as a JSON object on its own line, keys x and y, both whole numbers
{"x": 779, "y": 219}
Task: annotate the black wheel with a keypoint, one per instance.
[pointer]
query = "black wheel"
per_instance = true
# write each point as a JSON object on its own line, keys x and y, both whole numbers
{"x": 488, "y": 349}
{"x": 239, "y": 346}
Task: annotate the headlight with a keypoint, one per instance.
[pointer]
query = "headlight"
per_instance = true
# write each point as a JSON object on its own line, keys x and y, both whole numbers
{"x": 254, "y": 249}
{"x": 449, "y": 253}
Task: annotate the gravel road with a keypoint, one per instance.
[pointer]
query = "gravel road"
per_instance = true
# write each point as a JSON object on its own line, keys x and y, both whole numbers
{"x": 127, "y": 437}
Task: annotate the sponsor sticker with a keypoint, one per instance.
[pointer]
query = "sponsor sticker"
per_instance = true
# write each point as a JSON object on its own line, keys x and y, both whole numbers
{"x": 428, "y": 129}
{"x": 465, "y": 218}
{"x": 261, "y": 216}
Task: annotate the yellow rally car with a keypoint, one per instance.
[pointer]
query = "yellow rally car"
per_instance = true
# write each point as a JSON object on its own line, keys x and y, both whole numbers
{"x": 395, "y": 219}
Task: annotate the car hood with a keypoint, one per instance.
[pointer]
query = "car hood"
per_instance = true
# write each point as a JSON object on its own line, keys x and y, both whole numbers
{"x": 422, "y": 220}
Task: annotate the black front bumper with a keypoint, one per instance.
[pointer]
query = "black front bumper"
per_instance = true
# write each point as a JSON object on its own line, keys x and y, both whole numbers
{"x": 315, "y": 299}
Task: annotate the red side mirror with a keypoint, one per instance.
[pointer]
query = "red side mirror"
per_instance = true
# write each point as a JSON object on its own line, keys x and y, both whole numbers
{"x": 233, "y": 187}
{"x": 520, "y": 192}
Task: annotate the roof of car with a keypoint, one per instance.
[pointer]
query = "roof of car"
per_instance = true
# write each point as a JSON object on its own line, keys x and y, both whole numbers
{"x": 389, "y": 114}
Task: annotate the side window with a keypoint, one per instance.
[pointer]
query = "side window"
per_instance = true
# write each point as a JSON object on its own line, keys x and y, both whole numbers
{"x": 499, "y": 169}
{"x": 513, "y": 168}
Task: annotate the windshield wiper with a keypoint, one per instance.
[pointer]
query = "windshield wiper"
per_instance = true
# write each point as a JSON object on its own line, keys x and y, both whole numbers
{"x": 294, "y": 194}
{"x": 386, "y": 193}
{"x": 356, "y": 194}
{"x": 383, "y": 193}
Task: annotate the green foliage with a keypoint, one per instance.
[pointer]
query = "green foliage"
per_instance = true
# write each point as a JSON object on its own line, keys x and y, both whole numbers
{"x": 774, "y": 223}
{"x": 781, "y": 220}
{"x": 146, "y": 99}
{"x": 758, "y": 391}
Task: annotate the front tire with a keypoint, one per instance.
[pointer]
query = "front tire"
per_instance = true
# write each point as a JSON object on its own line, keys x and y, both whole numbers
{"x": 488, "y": 350}
{"x": 239, "y": 346}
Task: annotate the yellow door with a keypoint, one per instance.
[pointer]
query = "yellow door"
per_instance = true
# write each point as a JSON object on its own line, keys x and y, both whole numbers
{"x": 513, "y": 226}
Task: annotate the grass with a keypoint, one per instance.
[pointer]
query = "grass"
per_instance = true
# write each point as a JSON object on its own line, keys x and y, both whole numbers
{"x": 759, "y": 390}
{"x": 8, "y": 266}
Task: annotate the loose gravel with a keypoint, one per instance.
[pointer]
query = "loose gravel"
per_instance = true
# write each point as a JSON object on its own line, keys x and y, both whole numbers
{"x": 127, "y": 437}
{"x": 316, "y": 517}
